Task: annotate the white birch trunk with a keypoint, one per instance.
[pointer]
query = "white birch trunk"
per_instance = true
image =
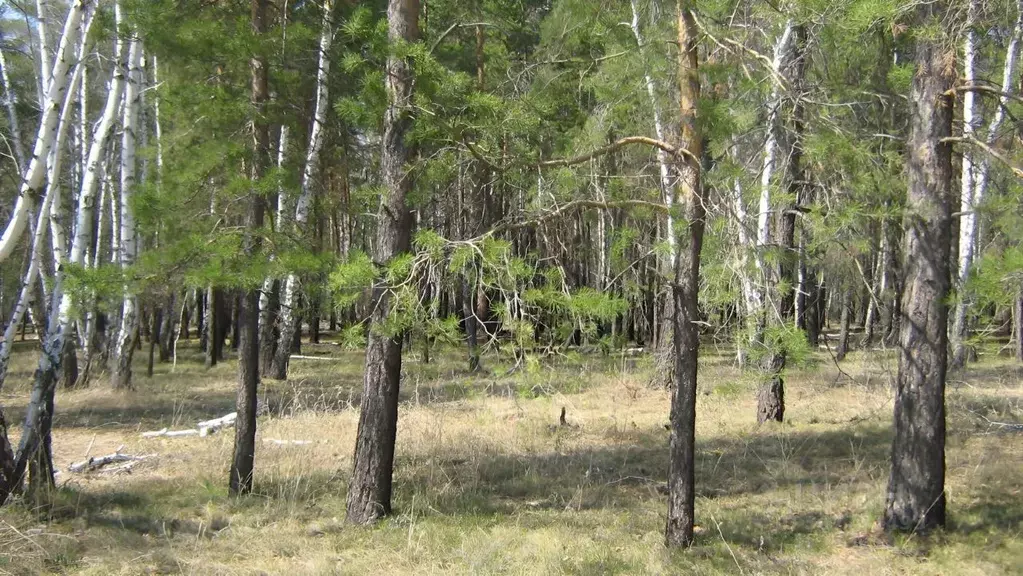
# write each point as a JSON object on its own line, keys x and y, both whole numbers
{"x": 157, "y": 127}
{"x": 265, "y": 330}
{"x": 97, "y": 149}
{"x": 27, "y": 287}
{"x": 11, "y": 103}
{"x": 289, "y": 295}
{"x": 125, "y": 347}
{"x": 975, "y": 179}
{"x": 667, "y": 189}
{"x": 763, "y": 238}
{"x": 35, "y": 173}
{"x": 57, "y": 213}
{"x": 44, "y": 51}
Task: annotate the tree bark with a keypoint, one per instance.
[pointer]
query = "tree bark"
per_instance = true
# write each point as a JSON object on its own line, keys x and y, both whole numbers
{"x": 678, "y": 530}
{"x": 1018, "y": 322}
{"x": 975, "y": 177}
{"x": 369, "y": 494}
{"x": 240, "y": 480}
{"x": 843, "y": 330}
{"x": 214, "y": 344}
{"x": 289, "y": 296}
{"x": 35, "y": 172}
{"x": 128, "y": 334}
{"x": 916, "y": 488}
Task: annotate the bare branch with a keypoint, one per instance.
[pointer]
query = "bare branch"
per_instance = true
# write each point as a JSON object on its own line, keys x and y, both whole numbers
{"x": 989, "y": 150}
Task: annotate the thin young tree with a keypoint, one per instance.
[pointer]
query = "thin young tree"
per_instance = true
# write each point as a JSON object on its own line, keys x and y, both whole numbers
{"x": 240, "y": 480}
{"x": 685, "y": 292}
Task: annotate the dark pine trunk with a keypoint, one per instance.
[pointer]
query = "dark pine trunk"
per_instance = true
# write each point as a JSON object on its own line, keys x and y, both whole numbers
{"x": 771, "y": 394}
{"x": 212, "y": 326}
{"x": 916, "y": 488}
{"x": 69, "y": 365}
{"x": 8, "y": 483}
{"x": 471, "y": 327}
{"x": 843, "y": 330}
{"x": 1018, "y": 322}
{"x": 678, "y": 531}
{"x": 166, "y": 332}
{"x": 369, "y": 494}
{"x": 154, "y": 338}
{"x": 240, "y": 480}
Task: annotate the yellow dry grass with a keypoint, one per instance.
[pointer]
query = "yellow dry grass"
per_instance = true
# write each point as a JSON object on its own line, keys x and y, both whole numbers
{"x": 487, "y": 482}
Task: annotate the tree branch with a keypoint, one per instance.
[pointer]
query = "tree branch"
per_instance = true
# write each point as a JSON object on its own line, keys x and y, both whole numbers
{"x": 989, "y": 150}
{"x": 568, "y": 207}
{"x": 679, "y": 153}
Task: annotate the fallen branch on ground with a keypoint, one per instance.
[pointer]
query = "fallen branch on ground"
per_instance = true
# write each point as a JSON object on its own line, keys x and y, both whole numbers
{"x": 208, "y": 427}
{"x": 98, "y": 462}
{"x": 202, "y": 429}
{"x": 171, "y": 433}
{"x": 287, "y": 442}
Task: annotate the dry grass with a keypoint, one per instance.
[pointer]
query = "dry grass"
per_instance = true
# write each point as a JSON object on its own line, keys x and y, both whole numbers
{"x": 486, "y": 482}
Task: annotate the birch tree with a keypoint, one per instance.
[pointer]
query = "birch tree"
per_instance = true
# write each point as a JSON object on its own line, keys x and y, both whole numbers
{"x": 128, "y": 333}
{"x": 289, "y": 295}
{"x": 35, "y": 173}
{"x": 975, "y": 171}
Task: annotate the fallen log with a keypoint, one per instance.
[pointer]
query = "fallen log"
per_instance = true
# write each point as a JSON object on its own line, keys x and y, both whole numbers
{"x": 202, "y": 429}
{"x": 287, "y": 442}
{"x": 170, "y": 433}
{"x": 97, "y": 462}
{"x": 208, "y": 427}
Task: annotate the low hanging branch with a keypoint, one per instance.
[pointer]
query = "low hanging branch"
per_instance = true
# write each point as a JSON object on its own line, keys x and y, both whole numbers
{"x": 678, "y": 153}
{"x": 562, "y": 209}
{"x": 980, "y": 88}
{"x": 987, "y": 149}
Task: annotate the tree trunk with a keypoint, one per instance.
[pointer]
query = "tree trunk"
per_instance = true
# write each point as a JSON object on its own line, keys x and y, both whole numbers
{"x": 843, "y": 330}
{"x": 916, "y": 489}
{"x": 471, "y": 327}
{"x": 214, "y": 343}
{"x": 771, "y": 394}
{"x": 240, "y": 480}
{"x": 975, "y": 177}
{"x": 156, "y": 323}
{"x": 678, "y": 530}
{"x": 289, "y": 296}
{"x": 1018, "y": 322}
{"x": 35, "y": 172}
{"x": 128, "y": 334}
{"x": 369, "y": 493}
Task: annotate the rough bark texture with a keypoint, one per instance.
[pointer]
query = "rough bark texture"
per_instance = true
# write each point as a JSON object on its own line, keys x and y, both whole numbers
{"x": 843, "y": 330}
{"x": 681, "y": 469}
{"x": 1018, "y": 321}
{"x": 471, "y": 327}
{"x": 771, "y": 394}
{"x": 916, "y": 487}
{"x": 268, "y": 325}
{"x": 240, "y": 480}
{"x": 369, "y": 494}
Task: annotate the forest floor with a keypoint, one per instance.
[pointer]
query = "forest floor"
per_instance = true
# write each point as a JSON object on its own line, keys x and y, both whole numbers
{"x": 488, "y": 482}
